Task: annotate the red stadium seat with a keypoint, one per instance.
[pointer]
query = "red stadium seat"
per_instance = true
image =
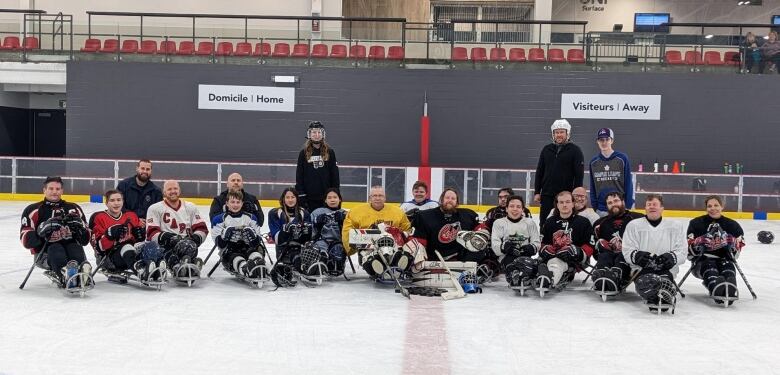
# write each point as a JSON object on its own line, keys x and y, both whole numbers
{"x": 10, "y": 43}
{"x": 460, "y": 54}
{"x": 358, "y": 51}
{"x": 319, "y": 51}
{"x": 129, "y": 46}
{"x": 91, "y": 45}
{"x": 478, "y": 54}
{"x": 300, "y": 50}
{"x": 262, "y": 49}
{"x": 673, "y": 58}
{"x": 31, "y": 42}
{"x": 731, "y": 58}
{"x": 536, "y": 55}
{"x": 376, "y": 53}
{"x": 338, "y": 51}
{"x": 693, "y": 58}
{"x": 110, "y": 46}
{"x": 516, "y": 55}
{"x": 243, "y": 49}
{"x": 149, "y": 47}
{"x": 186, "y": 47}
{"x": 497, "y": 54}
{"x": 555, "y": 55}
{"x": 167, "y": 46}
{"x": 281, "y": 50}
{"x": 712, "y": 58}
{"x": 204, "y": 48}
{"x": 575, "y": 56}
{"x": 395, "y": 53}
{"x": 224, "y": 49}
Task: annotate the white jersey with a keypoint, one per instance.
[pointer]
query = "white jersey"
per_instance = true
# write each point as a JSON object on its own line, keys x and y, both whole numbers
{"x": 524, "y": 232}
{"x": 227, "y": 220}
{"x": 184, "y": 220}
{"x": 587, "y": 213}
{"x": 667, "y": 237}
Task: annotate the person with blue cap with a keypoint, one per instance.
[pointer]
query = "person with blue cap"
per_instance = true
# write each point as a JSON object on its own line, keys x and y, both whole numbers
{"x": 610, "y": 171}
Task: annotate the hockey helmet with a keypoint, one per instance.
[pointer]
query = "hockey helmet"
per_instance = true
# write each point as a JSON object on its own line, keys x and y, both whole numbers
{"x": 765, "y": 237}
{"x": 468, "y": 280}
{"x": 315, "y": 125}
{"x": 560, "y": 124}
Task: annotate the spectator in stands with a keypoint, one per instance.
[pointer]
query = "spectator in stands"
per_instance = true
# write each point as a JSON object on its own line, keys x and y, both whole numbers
{"x": 770, "y": 53}
{"x": 139, "y": 191}
{"x": 751, "y": 54}
{"x": 317, "y": 169}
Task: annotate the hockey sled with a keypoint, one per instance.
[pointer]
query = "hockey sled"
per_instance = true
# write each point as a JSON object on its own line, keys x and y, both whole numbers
{"x": 186, "y": 273}
{"x": 608, "y": 288}
{"x": 79, "y": 283}
{"x": 124, "y": 276}
{"x": 726, "y": 300}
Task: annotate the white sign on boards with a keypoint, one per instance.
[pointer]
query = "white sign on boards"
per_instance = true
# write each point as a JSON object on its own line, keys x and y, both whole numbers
{"x": 246, "y": 98}
{"x": 611, "y": 106}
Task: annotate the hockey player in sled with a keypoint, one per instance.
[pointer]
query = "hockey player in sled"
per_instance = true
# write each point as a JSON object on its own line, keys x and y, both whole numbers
{"x": 328, "y": 222}
{"x": 296, "y": 256}
{"x": 611, "y": 274}
{"x": 179, "y": 229}
{"x": 237, "y": 235}
{"x": 715, "y": 243}
{"x": 515, "y": 240}
{"x": 120, "y": 251}
{"x": 656, "y": 248}
{"x": 566, "y": 246}
{"x": 55, "y": 231}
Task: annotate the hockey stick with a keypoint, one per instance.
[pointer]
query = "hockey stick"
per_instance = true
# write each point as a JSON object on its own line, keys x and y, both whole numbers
{"x": 747, "y": 284}
{"x": 35, "y": 261}
{"x": 400, "y": 287}
{"x": 210, "y": 252}
{"x": 351, "y": 265}
{"x": 458, "y": 293}
{"x": 99, "y": 266}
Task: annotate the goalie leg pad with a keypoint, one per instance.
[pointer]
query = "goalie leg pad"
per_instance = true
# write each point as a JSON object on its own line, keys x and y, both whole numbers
{"x": 419, "y": 253}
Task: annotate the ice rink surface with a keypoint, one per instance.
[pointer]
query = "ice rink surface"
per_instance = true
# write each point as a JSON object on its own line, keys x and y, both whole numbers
{"x": 221, "y": 326}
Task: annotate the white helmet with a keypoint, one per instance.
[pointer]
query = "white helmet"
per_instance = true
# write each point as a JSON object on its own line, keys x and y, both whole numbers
{"x": 560, "y": 124}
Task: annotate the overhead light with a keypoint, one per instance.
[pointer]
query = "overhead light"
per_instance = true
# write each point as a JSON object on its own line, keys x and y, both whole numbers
{"x": 284, "y": 79}
{"x": 708, "y": 36}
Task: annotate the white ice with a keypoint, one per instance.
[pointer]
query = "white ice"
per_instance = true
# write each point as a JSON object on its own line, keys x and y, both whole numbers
{"x": 358, "y": 327}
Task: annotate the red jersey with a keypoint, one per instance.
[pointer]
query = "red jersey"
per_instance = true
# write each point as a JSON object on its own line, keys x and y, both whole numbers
{"x": 102, "y": 220}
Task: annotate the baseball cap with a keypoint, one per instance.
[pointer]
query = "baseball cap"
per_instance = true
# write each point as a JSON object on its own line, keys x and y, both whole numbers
{"x": 605, "y": 133}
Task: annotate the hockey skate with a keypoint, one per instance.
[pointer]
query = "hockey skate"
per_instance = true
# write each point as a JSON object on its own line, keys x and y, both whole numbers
{"x": 724, "y": 293}
{"x": 186, "y": 271}
{"x": 254, "y": 272}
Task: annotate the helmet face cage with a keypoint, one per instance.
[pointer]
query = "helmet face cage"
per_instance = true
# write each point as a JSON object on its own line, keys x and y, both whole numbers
{"x": 385, "y": 245}
{"x": 560, "y": 124}
{"x": 315, "y": 126}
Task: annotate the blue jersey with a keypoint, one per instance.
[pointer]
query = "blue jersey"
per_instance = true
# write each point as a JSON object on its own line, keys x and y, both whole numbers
{"x": 608, "y": 175}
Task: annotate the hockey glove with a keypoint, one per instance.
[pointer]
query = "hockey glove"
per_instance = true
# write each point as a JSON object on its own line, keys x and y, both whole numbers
{"x": 474, "y": 241}
{"x": 511, "y": 248}
{"x": 117, "y": 231}
{"x": 616, "y": 244}
{"x": 249, "y": 236}
{"x": 641, "y": 258}
{"x": 52, "y": 230}
{"x": 195, "y": 238}
{"x": 666, "y": 261}
{"x": 168, "y": 240}
{"x": 603, "y": 246}
{"x": 527, "y": 250}
{"x": 139, "y": 233}
{"x": 232, "y": 234}
{"x": 547, "y": 252}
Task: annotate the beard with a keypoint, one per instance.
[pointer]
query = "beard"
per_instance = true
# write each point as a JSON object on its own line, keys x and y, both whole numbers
{"x": 615, "y": 211}
{"x": 449, "y": 208}
{"x": 143, "y": 177}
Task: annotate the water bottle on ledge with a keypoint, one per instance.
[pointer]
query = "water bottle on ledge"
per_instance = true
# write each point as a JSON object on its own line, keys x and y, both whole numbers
{"x": 640, "y": 167}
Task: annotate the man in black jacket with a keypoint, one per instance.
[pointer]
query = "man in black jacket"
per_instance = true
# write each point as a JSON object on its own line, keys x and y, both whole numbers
{"x": 251, "y": 205}
{"x": 139, "y": 191}
{"x": 561, "y": 167}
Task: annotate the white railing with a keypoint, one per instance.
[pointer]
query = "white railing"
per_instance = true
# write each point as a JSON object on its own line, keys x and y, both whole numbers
{"x": 477, "y": 185}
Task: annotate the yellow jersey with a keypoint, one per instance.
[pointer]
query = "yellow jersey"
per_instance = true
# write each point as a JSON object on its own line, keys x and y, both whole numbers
{"x": 364, "y": 216}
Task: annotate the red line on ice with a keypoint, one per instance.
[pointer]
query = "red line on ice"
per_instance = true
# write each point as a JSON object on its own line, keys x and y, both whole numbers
{"x": 425, "y": 346}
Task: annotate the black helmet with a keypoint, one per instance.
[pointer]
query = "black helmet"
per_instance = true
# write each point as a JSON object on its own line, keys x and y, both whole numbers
{"x": 766, "y": 237}
{"x": 315, "y": 125}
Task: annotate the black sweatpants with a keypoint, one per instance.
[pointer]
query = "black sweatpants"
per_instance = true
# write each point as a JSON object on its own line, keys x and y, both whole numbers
{"x": 60, "y": 253}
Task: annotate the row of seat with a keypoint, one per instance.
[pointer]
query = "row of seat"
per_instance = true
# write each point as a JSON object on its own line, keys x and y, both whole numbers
{"x": 11, "y": 43}
{"x": 554, "y": 55}
{"x": 695, "y": 58}
{"x": 242, "y": 49}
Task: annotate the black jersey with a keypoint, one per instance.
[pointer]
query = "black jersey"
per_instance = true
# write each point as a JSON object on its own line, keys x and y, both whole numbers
{"x": 609, "y": 227}
{"x": 575, "y": 227}
{"x": 38, "y": 212}
{"x": 439, "y": 231}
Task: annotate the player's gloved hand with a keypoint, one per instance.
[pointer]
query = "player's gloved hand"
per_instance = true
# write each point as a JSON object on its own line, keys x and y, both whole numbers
{"x": 116, "y": 231}
{"x": 249, "y": 235}
{"x": 139, "y": 233}
{"x": 641, "y": 258}
{"x": 48, "y": 228}
{"x": 527, "y": 250}
{"x": 168, "y": 240}
{"x": 510, "y": 248}
{"x": 665, "y": 261}
{"x": 616, "y": 244}
{"x": 231, "y": 234}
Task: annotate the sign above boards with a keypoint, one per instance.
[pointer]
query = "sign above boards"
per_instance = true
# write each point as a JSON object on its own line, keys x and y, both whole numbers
{"x": 246, "y": 98}
{"x": 611, "y": 106}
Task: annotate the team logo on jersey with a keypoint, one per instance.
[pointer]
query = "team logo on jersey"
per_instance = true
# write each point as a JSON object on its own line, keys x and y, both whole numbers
{"x": 449, "y": 232}
{"x": 606, "y": 167}
{"x": 148, "y": 198}
{"x": 316, "y": 161}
